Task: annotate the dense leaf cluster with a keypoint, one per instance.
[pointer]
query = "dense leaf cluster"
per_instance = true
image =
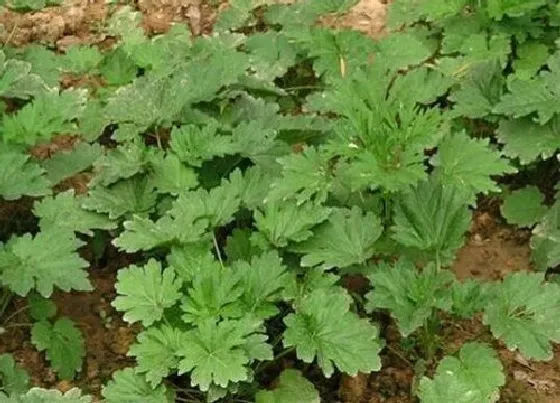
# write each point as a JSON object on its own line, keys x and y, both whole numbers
{"x": 251, "y": 169}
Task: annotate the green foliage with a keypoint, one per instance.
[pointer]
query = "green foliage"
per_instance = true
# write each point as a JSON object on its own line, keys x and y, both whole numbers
{"x": 248, "y": 172}
{"x": 292, "y": 387}
{"x": 323, "y": 328}
{"x": 42, "y": 262}
{"x": 20, "y": 176}
{"x": 63, "y": 344}
{"x": 522, "y": 312}
{"x": 474, "y": 377}
{"x": 410, "y": 296}
{"x": 144, "y": 292}
{"x": 433, "y": 218}
{"x": 13, "y": 380}
{"x": 128, "y": 386}
{"x": 347, "y": 238}
{"x": 524, "y": 207}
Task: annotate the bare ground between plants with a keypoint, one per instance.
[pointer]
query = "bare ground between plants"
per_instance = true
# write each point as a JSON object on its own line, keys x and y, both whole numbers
{"x": 492, "y": 251}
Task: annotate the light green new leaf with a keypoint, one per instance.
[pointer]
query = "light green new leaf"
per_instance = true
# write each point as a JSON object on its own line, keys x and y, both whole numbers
{"x": 19, "y": 176}
{"x": 48, "y": 260}
{"x": 126, "y": 197}
{"x": 262, "y": 282}
{"x": 170, "y": 175}
{"x": 304, "y": 177}
{"x": 156, "y": 352}
{"x": 469, "y": 298}
{"x": 527, "y": 140}
{"x": 63, "y": 344}
{"x": 524, "y": 207}
{"x": 347, "y": 238}
{"x": 145, "y": 292}
{"x": 474, "y": 377}
{"x": 523, "y": 313}
{"x": 545, "y": 241}
{"x": 292, "y": 387}
{"x": 433, "y": 218}
{"x": 410, "y": 295}
{"x": 64, "y": 211}
{"x": 324, "y": 328}
{"x": 469, "y": 164}
{"x": 407, "y": 12}
{"x": 194, "y": 145}
{"x": 127, "y": 386}
{"x": 40, "y": 395}
{"x": 213, "y": 294}
{"x": 214, "y": 353}
{"x": 13, "y": 379}
{"x": 282, "y": 222}
{"x": 50, "y": 113}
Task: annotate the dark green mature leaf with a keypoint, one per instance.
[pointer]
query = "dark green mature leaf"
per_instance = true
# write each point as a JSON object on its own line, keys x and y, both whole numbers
{"x": 41, "y": 308}
{"x": 524, "y": 207}
{"x": 13, "y": 379}
{"x": 262, "y": 281}
{"x": 64, "y": 211}
{"x": 539, "y": 95}
{"x": 156, "y": 352}
{"x": 126, "y": 197}
{"x": 194, "y": 145}
{"x": 145, "y": 292}
{"x": 170, "y": 175}
{"x": 409, "y": 295}
{"x": 49, "y": 259}
{"x": 545, "y": 241}
{"x": 19, "y": 176}
{"x": 469, "y": 298}
{"x": 324, "y": 328}
{"x": 63, "y": 343}
{"x": 283, "y": 222}
{"x": 304, "y": 177}
{"x": 523, "y": 312}
{"x": 475, "y": 377}
{"x": 214, "y": 353}
{"x": 213, "y": 294}
{"x": 402, "y": 49}
{"x": 292, "y": 387}
{"x": 469, "y": 164}
{"x": 127, "y": 386}
{"x": 433, "y": 217}
{"x": 347, "y": 238}
{"x": 407, "y": 12}
{"x": 121, "y": 163}
{"x": 527, "y": 140}
{"x": 50, "y": 113}
{"x": 63, "y": 164}
{"x": 512, "y": 8}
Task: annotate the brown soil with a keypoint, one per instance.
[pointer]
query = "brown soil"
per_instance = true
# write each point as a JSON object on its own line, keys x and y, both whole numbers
{"x": 107, "y": 337}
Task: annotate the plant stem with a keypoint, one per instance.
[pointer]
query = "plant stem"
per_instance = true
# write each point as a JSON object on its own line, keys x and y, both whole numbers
{"x": 5, "y": 300}
{"x": 217, "y": 249}
{"x": 13, "y": 314}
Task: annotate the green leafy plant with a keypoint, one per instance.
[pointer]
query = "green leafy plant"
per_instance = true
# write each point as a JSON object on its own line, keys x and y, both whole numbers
{"x": 248, "y": 172}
